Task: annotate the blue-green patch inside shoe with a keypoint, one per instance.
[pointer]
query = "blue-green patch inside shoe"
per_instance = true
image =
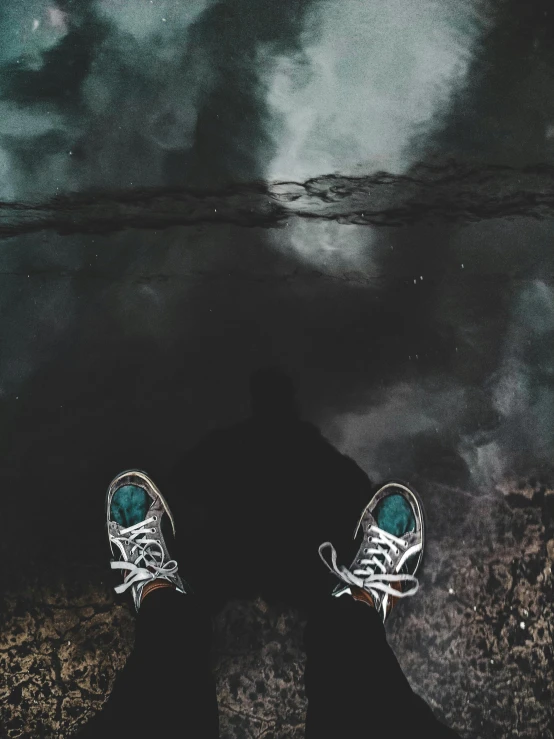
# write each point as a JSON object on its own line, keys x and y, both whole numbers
{"x": 394, "y": 515}
{"x": 130, "y": 505}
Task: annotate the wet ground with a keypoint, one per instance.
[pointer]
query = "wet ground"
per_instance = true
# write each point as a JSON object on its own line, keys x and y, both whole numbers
{"x": 380, "y": 229}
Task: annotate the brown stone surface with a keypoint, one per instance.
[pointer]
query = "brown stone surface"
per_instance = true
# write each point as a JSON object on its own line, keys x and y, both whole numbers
{"x": 62, "y": 643}
{"x": 478, "y": 644}
{"x": 476, "y": 641}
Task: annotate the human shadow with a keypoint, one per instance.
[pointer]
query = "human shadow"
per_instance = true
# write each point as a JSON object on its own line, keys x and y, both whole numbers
{"x": 254, "y": 501}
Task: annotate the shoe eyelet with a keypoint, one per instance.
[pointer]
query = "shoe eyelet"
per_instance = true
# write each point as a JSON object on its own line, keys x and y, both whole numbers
{"x": 366, "y": 551}
{"x": 155, "y": 518}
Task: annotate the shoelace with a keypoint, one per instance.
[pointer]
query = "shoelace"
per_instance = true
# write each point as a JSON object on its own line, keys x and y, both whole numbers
{"x": 151, "y": 556}
{"x": 371, "y": 575}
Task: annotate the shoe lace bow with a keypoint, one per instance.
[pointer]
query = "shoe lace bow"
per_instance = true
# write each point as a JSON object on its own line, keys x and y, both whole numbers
{"x": 374, "y": 563}
{"x": 149, "y": 564}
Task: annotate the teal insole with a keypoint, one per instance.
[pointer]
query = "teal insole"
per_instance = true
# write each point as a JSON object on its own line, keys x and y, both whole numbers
{"x": 130, "y": 505}
{"x": 394, "y": 515}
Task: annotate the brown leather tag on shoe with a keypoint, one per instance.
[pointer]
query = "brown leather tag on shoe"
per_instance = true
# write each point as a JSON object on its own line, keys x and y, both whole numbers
{"x": 155, "y": 585}
{"x": 362, "y": 595}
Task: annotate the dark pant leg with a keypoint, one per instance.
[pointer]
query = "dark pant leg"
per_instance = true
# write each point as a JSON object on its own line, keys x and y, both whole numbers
{"x": 166, "y": 688}
{"x": 354, "y": 683}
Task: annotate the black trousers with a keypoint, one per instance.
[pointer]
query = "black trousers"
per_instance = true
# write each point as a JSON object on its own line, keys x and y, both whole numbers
{"x": 354, "y": 684}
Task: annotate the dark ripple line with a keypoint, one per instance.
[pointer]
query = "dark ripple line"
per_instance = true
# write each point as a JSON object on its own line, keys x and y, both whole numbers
{"x": 447, "y": 193}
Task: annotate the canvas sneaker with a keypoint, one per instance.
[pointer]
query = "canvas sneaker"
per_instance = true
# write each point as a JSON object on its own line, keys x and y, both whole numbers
{"x": 138, "y": 521}
{"x": 392, "y": 530}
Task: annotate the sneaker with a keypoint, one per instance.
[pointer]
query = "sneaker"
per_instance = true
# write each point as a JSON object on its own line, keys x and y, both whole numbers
{"x": 137, "y": 518}
{"x": 390, "y": 553}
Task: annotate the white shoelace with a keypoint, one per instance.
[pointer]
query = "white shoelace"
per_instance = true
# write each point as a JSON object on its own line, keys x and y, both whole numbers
{"x": 371, "y": 574}
{"x": 151, "y": 556}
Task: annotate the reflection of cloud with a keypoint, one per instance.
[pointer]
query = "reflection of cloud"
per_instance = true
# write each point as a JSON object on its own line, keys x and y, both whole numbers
{"x": 143, "y": 19}
{"x": 17, "y": 120}
{"x": 327, "y": 245}
{"x": 116, "y": 85}
{"x": 342, "y": 86}
{"x": 7, "y": 191}
{"x": 367, "y": 78}
{"x": 57, "y": 18}
{"x": 522, "y": 392}
{"x": 381, "y": 437}
{"x": 28, "y": 28}
{"x": 421, "y": 427}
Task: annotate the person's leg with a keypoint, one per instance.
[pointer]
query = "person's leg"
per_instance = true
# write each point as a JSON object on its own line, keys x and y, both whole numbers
{"x": 166, "y": 688}
{"x": 354, "y": 684}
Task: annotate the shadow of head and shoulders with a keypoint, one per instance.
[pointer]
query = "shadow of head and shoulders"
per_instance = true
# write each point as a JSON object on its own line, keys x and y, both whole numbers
{"x": 272, "y": 482}
{"x": 275, "y": 429}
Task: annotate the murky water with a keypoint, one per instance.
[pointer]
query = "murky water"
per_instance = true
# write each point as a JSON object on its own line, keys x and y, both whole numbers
{"x": 407, "y": 288}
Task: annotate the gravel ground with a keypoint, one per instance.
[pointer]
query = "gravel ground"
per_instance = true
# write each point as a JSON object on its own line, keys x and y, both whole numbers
{"x": 476, "y": 642}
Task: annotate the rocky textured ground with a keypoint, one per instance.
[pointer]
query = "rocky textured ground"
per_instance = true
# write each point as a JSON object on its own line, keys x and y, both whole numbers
{"x": 476, "y": 642}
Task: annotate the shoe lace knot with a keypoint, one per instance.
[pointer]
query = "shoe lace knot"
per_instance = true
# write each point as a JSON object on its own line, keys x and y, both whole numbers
{"x": 372, "y": 569}
{"x": 149, "y": 562}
